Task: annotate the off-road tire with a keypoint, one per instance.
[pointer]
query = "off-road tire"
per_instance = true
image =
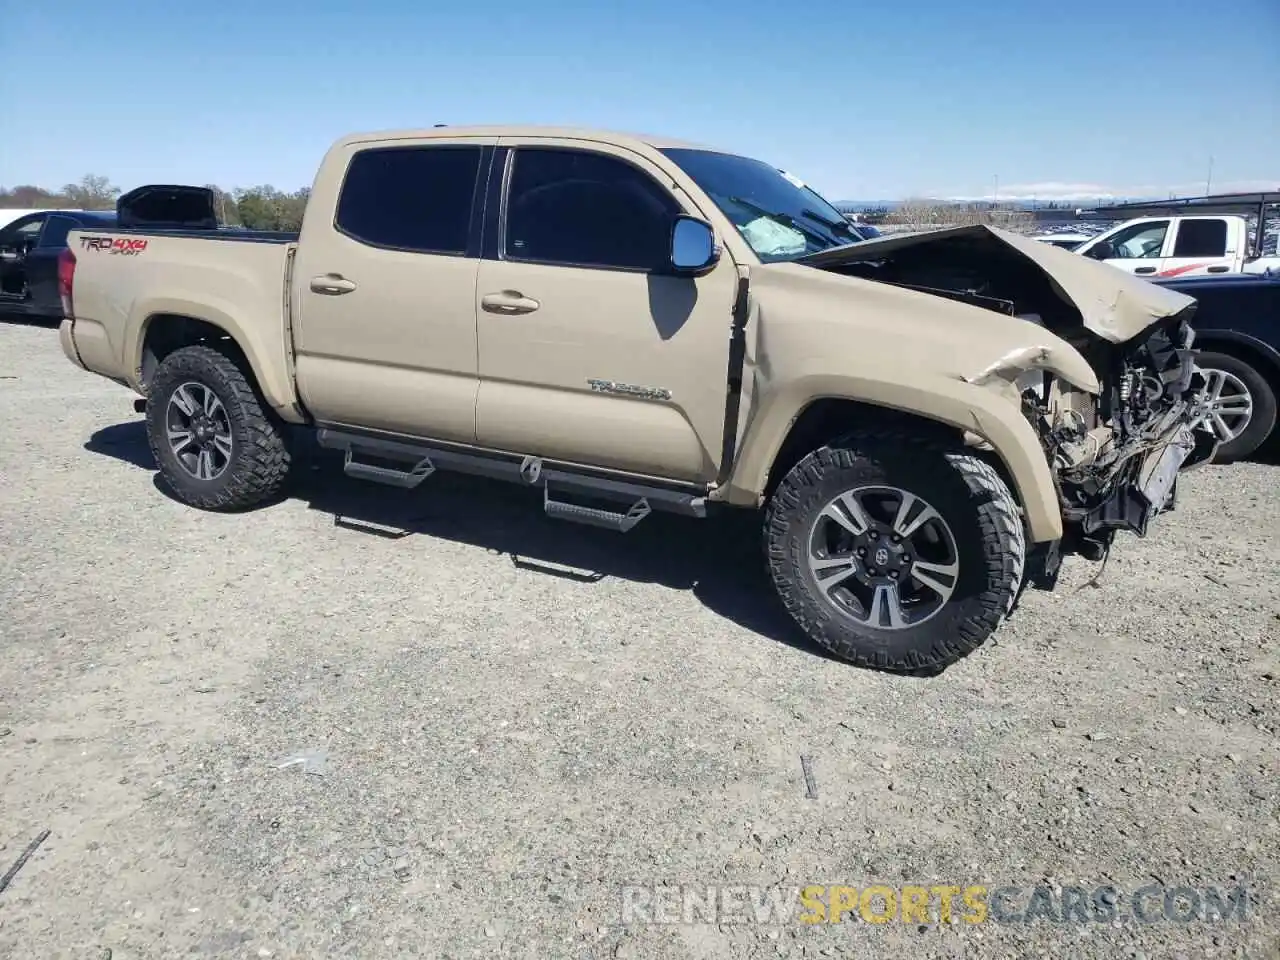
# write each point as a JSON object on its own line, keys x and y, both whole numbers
{"x": 974, "y": 501}
{"x": 1264, "y": 405}
{"x": 260, "y": 460}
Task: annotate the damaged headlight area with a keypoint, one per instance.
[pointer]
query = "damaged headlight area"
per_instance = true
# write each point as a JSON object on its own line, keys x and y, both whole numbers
{"x": 1116, "y": 454}
{"x": 1111, "y": 389}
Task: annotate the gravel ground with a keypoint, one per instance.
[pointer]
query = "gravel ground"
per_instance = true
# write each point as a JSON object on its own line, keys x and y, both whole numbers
{"x": 500, "y": 721}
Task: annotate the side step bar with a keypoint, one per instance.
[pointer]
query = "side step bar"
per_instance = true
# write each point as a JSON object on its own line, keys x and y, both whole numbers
{"x": 393, "y": 476}
{"x": 594, "y": 516}
{"x": 406, "y": 465}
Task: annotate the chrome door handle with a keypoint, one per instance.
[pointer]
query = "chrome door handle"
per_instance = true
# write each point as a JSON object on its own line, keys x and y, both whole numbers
{"x": 508, "y": 301}
{"x": 1144, "y": 270}
{"x": 332, "y": 283}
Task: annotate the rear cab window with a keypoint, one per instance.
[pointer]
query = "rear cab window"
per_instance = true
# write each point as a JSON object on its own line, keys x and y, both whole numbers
{"x": 417, "y": 199}
{"x": 1201, "y": 238}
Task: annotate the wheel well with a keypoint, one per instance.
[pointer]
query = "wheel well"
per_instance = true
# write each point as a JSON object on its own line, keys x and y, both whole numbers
{"x": 829, "y": 418}
{"x": 1266, "y": 365}
{"x": 167, "y": 332}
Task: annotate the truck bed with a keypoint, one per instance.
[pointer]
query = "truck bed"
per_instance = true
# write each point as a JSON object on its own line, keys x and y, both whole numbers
{"x": 126, "y": 277}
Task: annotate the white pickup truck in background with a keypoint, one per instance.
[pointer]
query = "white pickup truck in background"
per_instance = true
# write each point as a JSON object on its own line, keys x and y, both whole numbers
{"x": 1180, "y": 246}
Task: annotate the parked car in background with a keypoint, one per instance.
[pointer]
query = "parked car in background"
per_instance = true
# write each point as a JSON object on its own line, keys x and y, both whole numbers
{"x": 1179, "y": 246}
{"x": 1237, "y": 323}
{"x": 1068, "y": 241}
{"x": 29, "y": 248}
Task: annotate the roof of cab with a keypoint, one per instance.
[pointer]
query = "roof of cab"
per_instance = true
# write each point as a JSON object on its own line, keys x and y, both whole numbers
{"x": 523, "y": 130}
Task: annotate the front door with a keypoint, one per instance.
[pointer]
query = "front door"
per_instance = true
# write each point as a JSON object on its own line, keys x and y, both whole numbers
{"x": 384, "y": 289}
{"x": 1138, "y": 248}
{"x": 17, "y": 240}
{"x": 591, "y": 352}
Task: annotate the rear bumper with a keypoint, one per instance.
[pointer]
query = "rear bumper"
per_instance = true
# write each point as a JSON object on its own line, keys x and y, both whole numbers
{"x": 86, "y": 344}
{"x": 66, "y": 337}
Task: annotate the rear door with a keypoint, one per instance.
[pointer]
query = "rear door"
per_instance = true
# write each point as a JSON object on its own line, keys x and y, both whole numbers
{"x": 384, "y": 291}
{"x": 1200, "y": 245}
{"x": 588, "y": 351}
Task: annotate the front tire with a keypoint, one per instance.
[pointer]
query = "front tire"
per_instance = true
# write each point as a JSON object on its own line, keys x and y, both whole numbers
{"x": 894, "y": 552}
{"x": 217, "y": 445}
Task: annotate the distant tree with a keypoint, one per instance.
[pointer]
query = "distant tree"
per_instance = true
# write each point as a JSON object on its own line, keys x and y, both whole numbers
{"x": 224, "y": 205}
{"x": 295, "y": 205}
{"x": 266, "y": 208}
{"x": 91, "y": 193}
{"x": 27, "y": 196}
{"x": 258, "y": 208}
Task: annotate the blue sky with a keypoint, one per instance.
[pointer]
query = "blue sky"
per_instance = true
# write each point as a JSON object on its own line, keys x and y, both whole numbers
{"x": 862, "y": 99}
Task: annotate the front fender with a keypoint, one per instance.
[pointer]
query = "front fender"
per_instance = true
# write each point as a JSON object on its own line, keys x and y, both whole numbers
{"x": 977, "y": 409}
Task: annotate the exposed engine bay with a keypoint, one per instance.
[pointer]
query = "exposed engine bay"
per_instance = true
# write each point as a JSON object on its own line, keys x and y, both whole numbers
{"x": 1116, "y": 455}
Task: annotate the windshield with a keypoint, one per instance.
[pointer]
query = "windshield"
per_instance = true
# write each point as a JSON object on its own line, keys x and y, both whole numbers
{"x": 779, "y": 217}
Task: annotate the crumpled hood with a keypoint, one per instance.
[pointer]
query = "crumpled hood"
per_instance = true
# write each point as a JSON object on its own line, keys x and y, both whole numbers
{"x": 1112, "y": 304}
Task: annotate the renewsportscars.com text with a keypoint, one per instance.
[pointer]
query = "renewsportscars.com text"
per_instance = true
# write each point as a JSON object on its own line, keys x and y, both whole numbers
{"x": 933, "y": 903}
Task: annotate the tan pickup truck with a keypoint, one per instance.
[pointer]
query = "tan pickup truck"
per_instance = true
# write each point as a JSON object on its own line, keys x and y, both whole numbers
{"x": 925, "y": 422}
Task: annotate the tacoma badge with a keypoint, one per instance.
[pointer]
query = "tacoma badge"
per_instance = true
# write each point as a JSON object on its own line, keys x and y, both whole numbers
{"x": 612, "y": 386}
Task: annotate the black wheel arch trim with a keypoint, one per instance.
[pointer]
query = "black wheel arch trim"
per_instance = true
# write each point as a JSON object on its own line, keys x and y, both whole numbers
{"x": 1220, "y": 341}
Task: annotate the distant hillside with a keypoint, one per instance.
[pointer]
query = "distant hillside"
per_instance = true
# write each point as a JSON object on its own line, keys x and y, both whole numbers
{"x": 859, "y": 206}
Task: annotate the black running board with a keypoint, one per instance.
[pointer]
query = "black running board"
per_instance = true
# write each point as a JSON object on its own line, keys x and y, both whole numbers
{"x": 406, "y": 464}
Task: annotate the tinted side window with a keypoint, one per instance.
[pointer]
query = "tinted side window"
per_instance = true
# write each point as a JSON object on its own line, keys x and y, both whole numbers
{"x": 22, "y": 230}
{"x": 581, "y": 208}
{"x": 1141, "y": 241}
{"x": 1201, "y": 238}
{"x": 55, "y": 231}
{"x": 410, "y": 198}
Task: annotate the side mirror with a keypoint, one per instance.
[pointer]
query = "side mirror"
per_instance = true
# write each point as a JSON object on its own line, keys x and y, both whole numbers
{"x": 693, "y": 246}
{"x": 1103, "y": 250}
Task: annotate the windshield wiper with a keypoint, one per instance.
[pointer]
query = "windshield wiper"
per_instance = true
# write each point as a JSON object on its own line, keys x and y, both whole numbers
{"x": 830, "y": 224}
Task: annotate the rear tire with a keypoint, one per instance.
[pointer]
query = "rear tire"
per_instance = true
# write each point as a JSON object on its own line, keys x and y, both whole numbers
{"x": 851, "y": 612}
{"x": 1241, "y": 384}
{"x": 217, "y": 444}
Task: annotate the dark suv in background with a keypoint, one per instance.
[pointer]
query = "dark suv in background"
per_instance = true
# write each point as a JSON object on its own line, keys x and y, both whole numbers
{"x": 29, "y": 248}
{"x": 1237, "y": 326}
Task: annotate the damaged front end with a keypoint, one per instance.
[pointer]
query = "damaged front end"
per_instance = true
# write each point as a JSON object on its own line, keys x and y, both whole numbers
{"x": 1116, "y": 434}
{"x": 1116, "y": 456}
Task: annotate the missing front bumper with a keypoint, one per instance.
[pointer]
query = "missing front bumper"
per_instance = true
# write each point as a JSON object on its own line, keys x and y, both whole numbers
{"x": 1133, "y": 504}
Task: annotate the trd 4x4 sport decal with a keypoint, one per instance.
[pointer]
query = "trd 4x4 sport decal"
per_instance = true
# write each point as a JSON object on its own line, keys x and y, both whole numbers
{"x": 122, "y": 245}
